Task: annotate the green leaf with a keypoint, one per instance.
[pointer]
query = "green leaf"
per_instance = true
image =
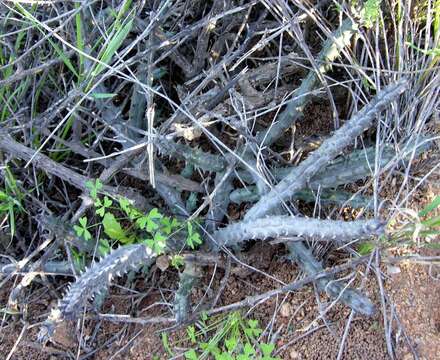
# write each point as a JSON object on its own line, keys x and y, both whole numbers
{"x": 142, "y": 222}
{"x": 243, "y": 357}
{"x": 203, "y": 315}
{"x": 103, "y": 205}
{"x": 94, "y": 188}
{"x": 191, "y": 332}
{"x": 154, "y": 214}
{"x": 252, "y": 330}
{"x": 266, "y": 349}
{"x": 210, "y": 348}
{"x": 193, "y": 239}
{"x": 63, "y": 57}
{"x": 160, "y": 242}
{"x": 82, "y": 230}
{"x": 224, "y": 356}
{"x": 230, "y": 344}
{"x": 125, "y": 205}
{"x": 151, "y": 226}
{"x": 166, "y": 344}
{"x": 365, "y": 248}
{"x": 83, "y": 222}
{"x": 177, "y": 261}
{"x": 190, "y": 228}
{"x": 156, "y": 245}
{"x": 248, "y": 349}
{"x": 103, "y": 247}
{"x": 107, "y": 202}
{"x": 113, "y": 228}
{"x": 102, "y": 95}
{"x": 148, "y": 221}
{"x": 78, "y": 230}
{"x": 112, "y": 47}
{"x": 430, "y": 207}
{"x": 168, "y": 225}
{"x": 191, "y": 355}
{"x": 101, "y": 211}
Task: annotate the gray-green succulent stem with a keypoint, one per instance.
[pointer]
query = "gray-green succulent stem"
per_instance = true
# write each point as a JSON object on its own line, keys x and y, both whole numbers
{"x": 335, "y": 289}
{"x": 276, "y": 226}
{"x": 94, "y": 280}
{"x": 138, "y": 103}
{"x": 330, "y": 148}
{"x": 294, "y": 110}
{"x": 196, "y": 157}
{"x": 349, "y": 168}
{"x": 220, "y": 201}
{"x": 326, "y": 197}
{"x": 187, "y": 279}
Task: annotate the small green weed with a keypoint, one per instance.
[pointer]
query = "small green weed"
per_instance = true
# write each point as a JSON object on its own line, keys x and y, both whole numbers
{"x": 420, "y": 226}
{"x": 371, "y": 12}
{"x": 133, "y": 225}
{"x": 228, "y": 337}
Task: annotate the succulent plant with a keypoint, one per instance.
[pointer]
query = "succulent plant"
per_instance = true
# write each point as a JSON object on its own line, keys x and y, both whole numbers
{"x": 94, "y": 280}
{"x": 275, "y": 226}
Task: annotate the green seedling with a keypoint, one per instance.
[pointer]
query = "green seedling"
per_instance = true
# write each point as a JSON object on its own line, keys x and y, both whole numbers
{"x": 227, "y": 338}
{"x": 134, "y": 226}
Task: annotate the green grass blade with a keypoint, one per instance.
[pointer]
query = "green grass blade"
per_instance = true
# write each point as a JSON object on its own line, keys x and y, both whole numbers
{"x": 430, "y": 207}
{"x": 112, "y": 47}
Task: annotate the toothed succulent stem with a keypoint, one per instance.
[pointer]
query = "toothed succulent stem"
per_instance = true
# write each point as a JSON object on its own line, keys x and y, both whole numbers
{"x": 276, "y": 226}
{"x": 349, "y": 168}
{"x": 198, "y": 158}
{"x": 335, "y": 289}
{"x": 94, "y": 280}
{"x": 330, "y": 148}
{"x": 325, "y": 197}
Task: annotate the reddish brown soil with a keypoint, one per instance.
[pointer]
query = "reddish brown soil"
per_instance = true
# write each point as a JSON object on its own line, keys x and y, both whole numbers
{"x": 295, "y": 319}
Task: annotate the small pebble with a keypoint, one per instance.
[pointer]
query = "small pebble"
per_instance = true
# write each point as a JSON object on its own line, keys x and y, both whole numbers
{"x": 286, "y": 310}
{"x": 294, "y": 354}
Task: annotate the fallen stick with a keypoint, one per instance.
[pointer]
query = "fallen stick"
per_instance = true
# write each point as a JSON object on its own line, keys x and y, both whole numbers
{"x": 9, "y": 145}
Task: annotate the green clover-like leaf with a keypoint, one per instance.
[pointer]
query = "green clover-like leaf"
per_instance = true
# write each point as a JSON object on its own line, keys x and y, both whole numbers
{"x": 248, "y": 349}
{"x": 168, "y": 225}
{"x": 177, "y": 261}
{"x": 102, "y": 206}
{"x": 267, "y": 349}
{"x": 82, "y": 230}
{"x": 154, "y": 214}
{"x": 94, "y": 188}
{"x": 142, "y": 222}
{"x": 252, "y": 330}
{"x": 194, "y": 240}
{"x": 151, "y": 226}
{"x": 125, "y": 205}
